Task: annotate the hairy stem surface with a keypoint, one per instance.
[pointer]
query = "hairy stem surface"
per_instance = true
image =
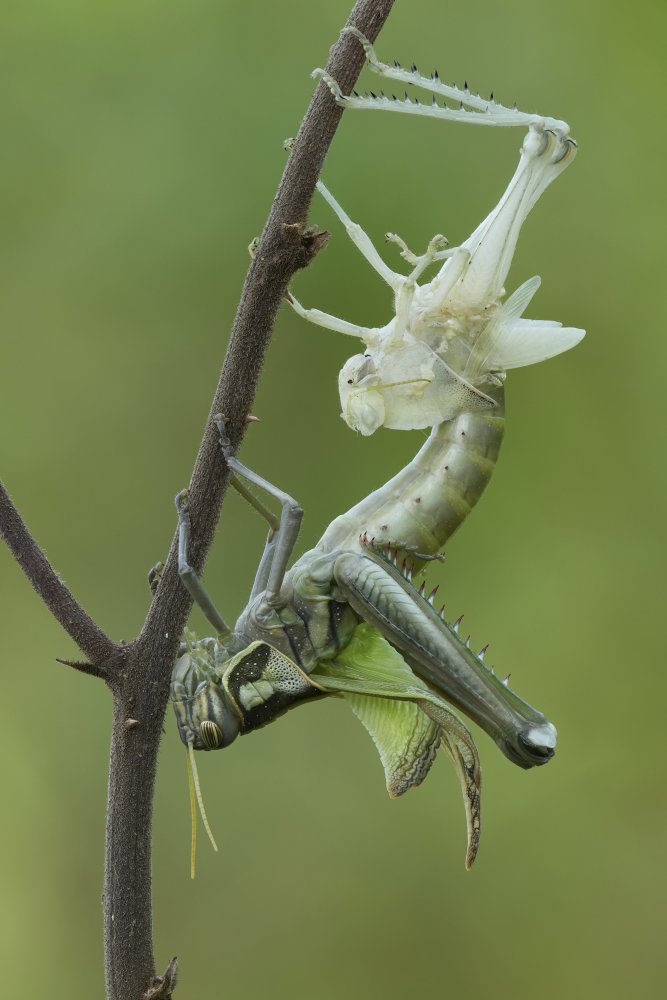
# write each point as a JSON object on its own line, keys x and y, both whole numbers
{"x": 141, "y": 688}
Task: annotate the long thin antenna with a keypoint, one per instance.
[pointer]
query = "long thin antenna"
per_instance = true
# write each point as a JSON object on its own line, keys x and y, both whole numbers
{"x": 193, "y": 816}
{"x": 192, "y": 770}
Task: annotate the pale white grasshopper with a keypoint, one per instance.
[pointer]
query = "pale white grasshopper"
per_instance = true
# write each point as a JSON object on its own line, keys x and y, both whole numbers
{"x": 429, "y": 362}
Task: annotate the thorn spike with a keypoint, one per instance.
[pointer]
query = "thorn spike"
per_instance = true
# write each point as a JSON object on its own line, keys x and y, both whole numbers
{"x": 482, "y": 652}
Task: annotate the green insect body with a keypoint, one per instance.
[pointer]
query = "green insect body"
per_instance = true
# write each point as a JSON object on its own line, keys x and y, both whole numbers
{"x": 420, "y": 508}
{"x": 348, "y": 620}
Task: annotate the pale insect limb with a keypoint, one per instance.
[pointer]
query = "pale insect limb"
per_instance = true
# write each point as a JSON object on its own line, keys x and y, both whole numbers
{"x": 420, "y": 260}
{"x": 290, "y": 519}
{"x": 328, "y": 321}
{"x": 406, "y": 293}
{"x": 359, "y": 237}
{"x": 189, "y": 577}
{"x": 362, "y": 241}
{"x": 472, "y": 107}
{"x": 447, "y": 277}
{"x": 194, "y": 776}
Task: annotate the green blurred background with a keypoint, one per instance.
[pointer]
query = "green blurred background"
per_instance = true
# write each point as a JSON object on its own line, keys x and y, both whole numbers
{"x": 141, "y": 151}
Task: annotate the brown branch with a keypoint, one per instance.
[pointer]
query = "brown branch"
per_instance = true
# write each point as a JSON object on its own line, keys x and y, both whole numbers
{"x": 90, "y": 639}
{"x": 141, "y": 687}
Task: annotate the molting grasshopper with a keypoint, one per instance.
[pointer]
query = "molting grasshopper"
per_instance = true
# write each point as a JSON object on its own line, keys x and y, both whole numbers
{"x": 347, "y": 620}
{"x": 430, "y": 361}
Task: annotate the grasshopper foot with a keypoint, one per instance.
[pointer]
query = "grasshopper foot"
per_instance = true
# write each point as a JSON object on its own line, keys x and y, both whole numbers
{"x": 154, "y": 577}
{"x": 182, "y": 501}
{"x": 225, "y": 444}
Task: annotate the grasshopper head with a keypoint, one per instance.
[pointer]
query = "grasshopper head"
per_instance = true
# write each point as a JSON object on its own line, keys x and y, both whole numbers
{"x": 217, "y": 695}
{"x": 206, "y": 715}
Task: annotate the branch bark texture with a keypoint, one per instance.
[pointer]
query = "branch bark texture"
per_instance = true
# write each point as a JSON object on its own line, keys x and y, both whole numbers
{"x": 141, "y": 686}
{"x": 139, "y": 673}
{"x": 88, "y": 636}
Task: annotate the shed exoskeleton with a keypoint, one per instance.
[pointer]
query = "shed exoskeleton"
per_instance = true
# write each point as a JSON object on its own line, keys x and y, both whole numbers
{"x": 431, "y": 360}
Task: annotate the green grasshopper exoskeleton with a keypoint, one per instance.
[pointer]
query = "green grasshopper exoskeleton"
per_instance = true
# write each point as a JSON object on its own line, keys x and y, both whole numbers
{"x": 346, "y": 619}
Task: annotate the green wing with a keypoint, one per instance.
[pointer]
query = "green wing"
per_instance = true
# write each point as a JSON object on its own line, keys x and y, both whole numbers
{"x": 406, "y": 739}
{"x": 405, "y": 719}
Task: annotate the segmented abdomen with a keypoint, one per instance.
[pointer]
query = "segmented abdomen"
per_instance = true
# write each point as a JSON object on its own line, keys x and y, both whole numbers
{"x": 423, "y": 505}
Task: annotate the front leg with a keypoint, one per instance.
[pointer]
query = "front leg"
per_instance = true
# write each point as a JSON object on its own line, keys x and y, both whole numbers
{"x": 330, "y": 322}
{"x": 284, "y": 536}
{"x": 362, "y": 240}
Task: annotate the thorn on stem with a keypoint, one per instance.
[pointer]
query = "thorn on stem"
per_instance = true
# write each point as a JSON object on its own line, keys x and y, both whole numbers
{"x": 83, "y": 666}
{"x": 163, "y": 986}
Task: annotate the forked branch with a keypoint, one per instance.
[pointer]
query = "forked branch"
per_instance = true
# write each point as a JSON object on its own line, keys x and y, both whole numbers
{"x": 88, "y": 636}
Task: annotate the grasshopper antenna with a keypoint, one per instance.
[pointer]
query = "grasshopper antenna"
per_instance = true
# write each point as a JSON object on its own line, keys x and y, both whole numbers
{"x": 195, "y": 793}
{"x": 193, "y": 815}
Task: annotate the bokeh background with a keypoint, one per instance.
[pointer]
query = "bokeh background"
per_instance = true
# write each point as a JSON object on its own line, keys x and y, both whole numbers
{"x": 142, "y": 144}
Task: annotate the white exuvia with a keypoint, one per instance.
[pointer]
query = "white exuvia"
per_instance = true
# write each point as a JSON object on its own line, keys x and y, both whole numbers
{"x": 452, "y": 335}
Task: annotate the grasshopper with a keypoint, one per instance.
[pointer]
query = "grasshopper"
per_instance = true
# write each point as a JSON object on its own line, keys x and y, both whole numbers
{"x": 429, "y": 362}
{"x": 347, "y": 620}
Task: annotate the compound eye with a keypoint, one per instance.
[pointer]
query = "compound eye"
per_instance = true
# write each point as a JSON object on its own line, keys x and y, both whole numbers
{"x": 211, "y": 735}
